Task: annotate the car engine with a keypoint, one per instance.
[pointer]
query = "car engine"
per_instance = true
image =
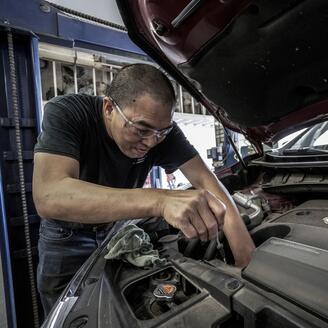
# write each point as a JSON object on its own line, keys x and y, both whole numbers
{"x": 285, "y": 284}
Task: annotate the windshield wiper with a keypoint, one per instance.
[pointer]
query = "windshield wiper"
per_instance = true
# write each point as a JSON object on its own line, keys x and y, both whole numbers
{"x": 304, "y": 151}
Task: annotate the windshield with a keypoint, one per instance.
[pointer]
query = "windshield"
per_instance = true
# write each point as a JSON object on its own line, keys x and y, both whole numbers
{"x": 313, "y": 139}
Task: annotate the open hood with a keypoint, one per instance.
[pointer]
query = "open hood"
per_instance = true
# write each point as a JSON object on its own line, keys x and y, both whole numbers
{"x": 260, "y": 67}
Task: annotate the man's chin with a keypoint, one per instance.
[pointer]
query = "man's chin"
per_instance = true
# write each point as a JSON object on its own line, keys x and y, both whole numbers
{"x": 134, "y": 153}
{"x": 140, "y": 154}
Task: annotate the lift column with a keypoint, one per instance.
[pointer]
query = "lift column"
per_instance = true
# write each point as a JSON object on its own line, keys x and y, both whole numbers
{"x": 20, "y": 108}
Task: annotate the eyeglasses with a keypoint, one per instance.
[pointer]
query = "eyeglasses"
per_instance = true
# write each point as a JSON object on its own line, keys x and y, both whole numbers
{"x": 139, "y": 129}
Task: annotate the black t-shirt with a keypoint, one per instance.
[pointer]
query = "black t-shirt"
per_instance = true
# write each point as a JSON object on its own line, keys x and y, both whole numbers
{"x": 73, "y": 126}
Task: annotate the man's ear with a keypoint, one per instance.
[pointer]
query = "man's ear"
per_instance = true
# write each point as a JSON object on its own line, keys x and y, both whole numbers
{"x": 107, "y": 107}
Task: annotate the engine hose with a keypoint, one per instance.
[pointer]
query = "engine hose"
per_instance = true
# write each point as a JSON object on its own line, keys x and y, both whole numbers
{"x": 13, "y": 80}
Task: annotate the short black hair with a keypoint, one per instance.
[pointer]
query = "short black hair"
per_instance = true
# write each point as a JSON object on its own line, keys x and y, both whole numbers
{"x": 135, "y": 80}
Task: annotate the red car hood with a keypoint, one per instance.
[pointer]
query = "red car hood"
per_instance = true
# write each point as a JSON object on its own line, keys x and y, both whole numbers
{"x": 260, "y": 67}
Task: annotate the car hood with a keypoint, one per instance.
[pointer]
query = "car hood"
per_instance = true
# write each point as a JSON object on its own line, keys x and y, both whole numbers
{"x": 260, "y": 67}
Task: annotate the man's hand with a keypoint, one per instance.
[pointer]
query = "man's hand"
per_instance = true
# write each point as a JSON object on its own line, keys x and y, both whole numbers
{"x": 197, "y": 213}
{"x": 235, "y": 231}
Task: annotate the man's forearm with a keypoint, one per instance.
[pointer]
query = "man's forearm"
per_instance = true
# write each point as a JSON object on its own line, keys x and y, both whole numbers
{"x": 75, "y": 200}
{"x": 238, "y": 237}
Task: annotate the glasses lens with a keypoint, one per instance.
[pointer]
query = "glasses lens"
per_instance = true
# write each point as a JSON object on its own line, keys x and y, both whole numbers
{"x": 141, "y": 131}
{"x": 145, "y": 133}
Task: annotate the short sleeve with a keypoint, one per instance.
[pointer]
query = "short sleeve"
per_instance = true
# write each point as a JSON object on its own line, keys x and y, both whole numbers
{"x": 61, "y": 131}
{"x": 174, "y": 151}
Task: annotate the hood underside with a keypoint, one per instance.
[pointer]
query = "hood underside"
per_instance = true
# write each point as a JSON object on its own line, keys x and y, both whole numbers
{"x": 261, "y": 67}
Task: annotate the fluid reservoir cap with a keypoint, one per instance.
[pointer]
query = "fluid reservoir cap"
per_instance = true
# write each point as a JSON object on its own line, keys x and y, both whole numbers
{"x": 164, "y": 292}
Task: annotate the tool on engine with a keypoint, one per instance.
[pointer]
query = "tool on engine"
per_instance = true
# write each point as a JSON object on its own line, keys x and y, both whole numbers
{"x": 220, "y": 248}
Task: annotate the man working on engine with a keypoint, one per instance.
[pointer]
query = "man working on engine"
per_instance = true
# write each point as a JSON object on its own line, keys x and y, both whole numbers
{"x": 91, "y": 161}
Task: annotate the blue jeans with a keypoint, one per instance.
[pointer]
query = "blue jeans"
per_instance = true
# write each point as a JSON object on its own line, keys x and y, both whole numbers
{"x": 63, "y": 248}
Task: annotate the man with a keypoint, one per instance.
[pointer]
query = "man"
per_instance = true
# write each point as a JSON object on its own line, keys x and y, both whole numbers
{"x": 91, "y": 161}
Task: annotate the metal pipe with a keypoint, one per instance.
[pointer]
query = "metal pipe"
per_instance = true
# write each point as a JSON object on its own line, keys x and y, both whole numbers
{"x": 110, "y": 74}
{"x": 192, "y": 105}
{"x": 55, "y": 78}
{"x": 245, "y": 202}
{"x": 94, "y": 81}
{"x": 75, "y": 79}
{"x": 181, "y": 98}
{"x": 185, "y": 13}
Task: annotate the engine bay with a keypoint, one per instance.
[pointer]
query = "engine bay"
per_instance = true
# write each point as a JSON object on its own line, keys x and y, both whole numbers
{"x": 285, "y": 284}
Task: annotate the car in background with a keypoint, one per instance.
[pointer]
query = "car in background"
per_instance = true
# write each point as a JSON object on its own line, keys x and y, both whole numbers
{"x": 261, "y": 68}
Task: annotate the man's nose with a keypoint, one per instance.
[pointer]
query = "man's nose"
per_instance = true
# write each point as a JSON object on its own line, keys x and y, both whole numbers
{"x": 150, "y": 141}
